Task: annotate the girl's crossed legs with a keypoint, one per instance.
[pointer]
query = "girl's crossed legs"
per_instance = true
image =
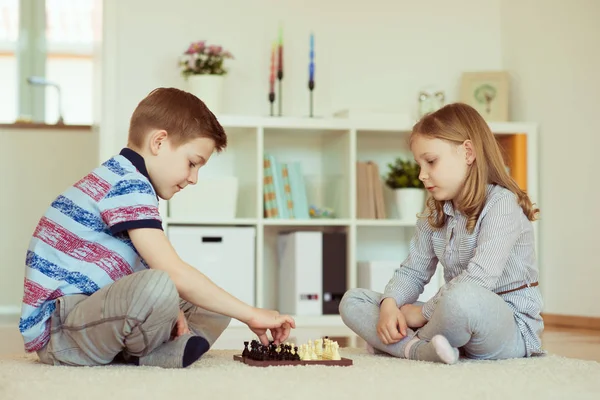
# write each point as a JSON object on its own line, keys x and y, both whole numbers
{"x": 469, "y": 316}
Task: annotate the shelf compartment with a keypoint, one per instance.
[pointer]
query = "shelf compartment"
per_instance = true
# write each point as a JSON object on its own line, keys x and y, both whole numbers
{"x": 270, "y": 271}
{"x": 382, "y": 148}
{"x": 239, "y": 160}
{"x": 306, "y": 222}
{"x": 324, "y": 156}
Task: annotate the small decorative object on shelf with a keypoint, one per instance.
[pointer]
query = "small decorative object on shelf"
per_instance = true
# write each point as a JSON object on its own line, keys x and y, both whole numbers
{"x": 202, "y": 66}
{"x": 324, "y": 212}
{"x": 280, "y": 69}
{"x": 272, "y": 79}
{"x": 403, "y": 178}
{"x": 430, "y": 100}
{"x": 311, "y": 72}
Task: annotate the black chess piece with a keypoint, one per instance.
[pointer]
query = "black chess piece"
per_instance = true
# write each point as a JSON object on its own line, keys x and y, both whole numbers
{"x": 296, "y": 355}
{"x": 246, "y": 352}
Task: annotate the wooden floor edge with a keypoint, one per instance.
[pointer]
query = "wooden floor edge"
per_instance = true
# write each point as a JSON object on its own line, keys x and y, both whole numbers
{"x": 571, "y": 321}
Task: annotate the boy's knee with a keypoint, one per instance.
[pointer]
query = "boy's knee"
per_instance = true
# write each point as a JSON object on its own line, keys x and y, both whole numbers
{"x": 222, "y": 322}
{"x": 156, "y": 291}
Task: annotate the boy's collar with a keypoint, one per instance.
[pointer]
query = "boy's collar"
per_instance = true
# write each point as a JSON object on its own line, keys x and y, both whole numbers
{"x": 136, "y": 159}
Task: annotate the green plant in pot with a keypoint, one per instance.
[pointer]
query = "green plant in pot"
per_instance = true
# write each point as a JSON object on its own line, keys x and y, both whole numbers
{"x": 403, "y": 179}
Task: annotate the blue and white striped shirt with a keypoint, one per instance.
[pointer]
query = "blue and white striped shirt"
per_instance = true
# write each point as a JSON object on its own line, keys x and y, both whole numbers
{"x": 499, "y": 255}
{"x": 81, "y": 244}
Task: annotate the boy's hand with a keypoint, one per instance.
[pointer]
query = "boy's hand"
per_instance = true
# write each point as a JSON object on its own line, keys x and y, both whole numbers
{"x": 181, "y": 326}
{"x": 414, "y": 316}
{"x": 391, "y": 327}
{"x": 263, "y": 320}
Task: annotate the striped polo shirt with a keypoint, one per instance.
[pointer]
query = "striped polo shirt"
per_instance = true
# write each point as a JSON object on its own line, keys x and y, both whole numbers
{"x": 499, "y": 255}
{"x": 81, "y": 243}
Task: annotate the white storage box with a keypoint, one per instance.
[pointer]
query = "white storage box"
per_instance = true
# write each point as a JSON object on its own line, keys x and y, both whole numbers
{"x": 210, "y": 199}
{"x": 300, "y": 257}
{"x": 375, "y": 275}
{"x": 225, "y": 254}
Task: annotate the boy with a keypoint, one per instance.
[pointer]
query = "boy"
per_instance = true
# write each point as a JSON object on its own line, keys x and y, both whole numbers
{"x": 103, "y": 282}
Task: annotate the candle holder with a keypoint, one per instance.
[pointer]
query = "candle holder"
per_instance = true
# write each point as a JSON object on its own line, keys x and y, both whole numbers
{"x": 311, "y": 87}
{"x": 279, "y": 90}
{"x": 272, "y": 101}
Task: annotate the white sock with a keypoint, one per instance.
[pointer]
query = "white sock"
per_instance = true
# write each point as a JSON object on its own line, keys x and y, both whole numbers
{"x": 438, "y": 350}
{"x": 444, "y": 350}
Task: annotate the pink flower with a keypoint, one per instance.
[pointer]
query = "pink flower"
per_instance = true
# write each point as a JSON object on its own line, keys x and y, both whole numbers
{"x": 196, "y": 47}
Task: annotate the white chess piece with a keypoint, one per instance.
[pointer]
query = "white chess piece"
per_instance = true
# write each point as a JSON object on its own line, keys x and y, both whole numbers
{"x": 327, "y": 351}
{"x": 319, "y": 347}
{"x": 336, "y": 353}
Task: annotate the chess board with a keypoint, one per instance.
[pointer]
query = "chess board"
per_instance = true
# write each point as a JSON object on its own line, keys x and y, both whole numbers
{"x": 344, "y": 362}
{"x": 320, "y": 352}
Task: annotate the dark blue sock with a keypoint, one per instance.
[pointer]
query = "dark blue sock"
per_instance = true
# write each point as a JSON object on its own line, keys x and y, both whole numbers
{"x": 195, "y": 347}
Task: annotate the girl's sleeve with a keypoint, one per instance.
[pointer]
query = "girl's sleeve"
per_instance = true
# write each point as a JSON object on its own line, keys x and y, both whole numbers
{"x": 499, "y": 230}
{"x": 409, "y": 280}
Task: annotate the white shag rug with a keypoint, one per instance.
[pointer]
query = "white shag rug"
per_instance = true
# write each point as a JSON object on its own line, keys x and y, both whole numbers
{"x": 217, "y": 376}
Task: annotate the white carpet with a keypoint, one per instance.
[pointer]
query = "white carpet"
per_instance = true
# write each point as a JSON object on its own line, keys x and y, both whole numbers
{"x": 217, "y": 376}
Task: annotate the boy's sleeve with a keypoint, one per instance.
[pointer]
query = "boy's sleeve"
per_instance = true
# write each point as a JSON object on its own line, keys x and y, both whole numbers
{"x": 131, "y": 203}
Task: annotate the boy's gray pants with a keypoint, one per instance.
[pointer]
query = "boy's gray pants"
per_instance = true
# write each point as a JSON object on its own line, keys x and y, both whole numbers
{"x": 134, "y": 315}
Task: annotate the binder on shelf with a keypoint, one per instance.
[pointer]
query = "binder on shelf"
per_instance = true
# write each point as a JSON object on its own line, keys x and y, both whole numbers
{"x": 334, "y": 270}
{"x": 300, "y": 273}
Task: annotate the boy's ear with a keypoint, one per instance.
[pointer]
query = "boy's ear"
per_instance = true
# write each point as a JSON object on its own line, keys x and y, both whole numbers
{"x": 157, "y": 140}
{"x": 469, "y": 152}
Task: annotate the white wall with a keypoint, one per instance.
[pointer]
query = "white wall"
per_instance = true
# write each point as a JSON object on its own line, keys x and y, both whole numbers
{"x": 368, "y": 54}
{"x": 552, "y": 50}
{"x": 380, "y": 53}
{"x": 36, "y": 165}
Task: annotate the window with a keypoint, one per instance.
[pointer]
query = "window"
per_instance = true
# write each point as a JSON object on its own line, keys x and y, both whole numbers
{"x": 9, "y": 30}
{"x": 68, "y": 27}
{"x": 69, "y": 41}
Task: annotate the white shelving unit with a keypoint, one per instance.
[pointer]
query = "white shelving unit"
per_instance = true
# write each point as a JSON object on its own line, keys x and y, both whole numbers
{"x": 328, "y": 150}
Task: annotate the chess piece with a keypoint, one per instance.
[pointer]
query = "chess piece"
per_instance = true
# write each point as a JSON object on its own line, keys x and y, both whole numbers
{"x": 246, "y": 352}
{"x": 319, "y": 347}
{"x": 336, "y": 354}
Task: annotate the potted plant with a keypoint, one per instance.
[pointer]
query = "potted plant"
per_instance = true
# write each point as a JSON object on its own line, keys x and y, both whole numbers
{"x": 403, "y": 179}
{"x": 203, "y": 67}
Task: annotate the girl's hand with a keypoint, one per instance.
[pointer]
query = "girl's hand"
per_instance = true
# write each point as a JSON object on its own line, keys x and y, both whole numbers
{"x": 391, "y": 327}
{"x": 414, "y": 316}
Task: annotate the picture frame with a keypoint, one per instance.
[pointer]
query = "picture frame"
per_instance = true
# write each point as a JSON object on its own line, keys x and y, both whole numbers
{"x": 487, "y": 92}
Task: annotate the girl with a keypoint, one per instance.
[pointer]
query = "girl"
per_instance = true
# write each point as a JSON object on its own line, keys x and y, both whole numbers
{"x": 478, "y": 226}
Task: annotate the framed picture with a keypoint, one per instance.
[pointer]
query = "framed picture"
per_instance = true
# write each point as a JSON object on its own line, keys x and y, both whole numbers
{"x": 487, "y": 92}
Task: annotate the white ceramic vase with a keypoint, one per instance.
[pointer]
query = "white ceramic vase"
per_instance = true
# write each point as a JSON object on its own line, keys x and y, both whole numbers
{"x": 409, "y": 202}
{"x": 209, "y": 89}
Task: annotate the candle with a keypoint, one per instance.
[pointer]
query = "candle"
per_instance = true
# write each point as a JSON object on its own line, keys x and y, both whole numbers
{"x": 280, "y": 65}
{"x": 272, "y": 70}
{"x": 311, "y": 66}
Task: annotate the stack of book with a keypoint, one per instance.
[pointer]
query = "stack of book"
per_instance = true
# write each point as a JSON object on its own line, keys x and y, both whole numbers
{"x": 284, "y": 190}
{"x": 369, "y": 188}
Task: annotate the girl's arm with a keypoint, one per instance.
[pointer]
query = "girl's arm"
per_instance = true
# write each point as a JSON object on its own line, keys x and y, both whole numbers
{"x": 500, "y": 228}
{"x": 416, "y": 270}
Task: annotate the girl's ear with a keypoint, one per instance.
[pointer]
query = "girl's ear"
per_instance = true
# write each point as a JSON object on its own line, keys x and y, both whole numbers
{"x": 469, "y": 152}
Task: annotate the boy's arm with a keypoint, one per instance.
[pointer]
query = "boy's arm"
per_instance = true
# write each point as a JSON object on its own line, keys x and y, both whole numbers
{"x": 195, "y": 287}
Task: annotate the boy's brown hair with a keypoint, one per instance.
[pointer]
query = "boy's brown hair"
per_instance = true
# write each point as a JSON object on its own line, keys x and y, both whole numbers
{"x": 181, "y": 114}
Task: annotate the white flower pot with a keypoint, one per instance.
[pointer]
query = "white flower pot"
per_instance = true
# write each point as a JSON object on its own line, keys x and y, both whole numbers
{"x": 409, "y": 202}
{"x": 209, "y": 89}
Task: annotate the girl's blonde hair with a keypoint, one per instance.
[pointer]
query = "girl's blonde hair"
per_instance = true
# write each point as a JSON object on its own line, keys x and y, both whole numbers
{"x": 456, "y": 123}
